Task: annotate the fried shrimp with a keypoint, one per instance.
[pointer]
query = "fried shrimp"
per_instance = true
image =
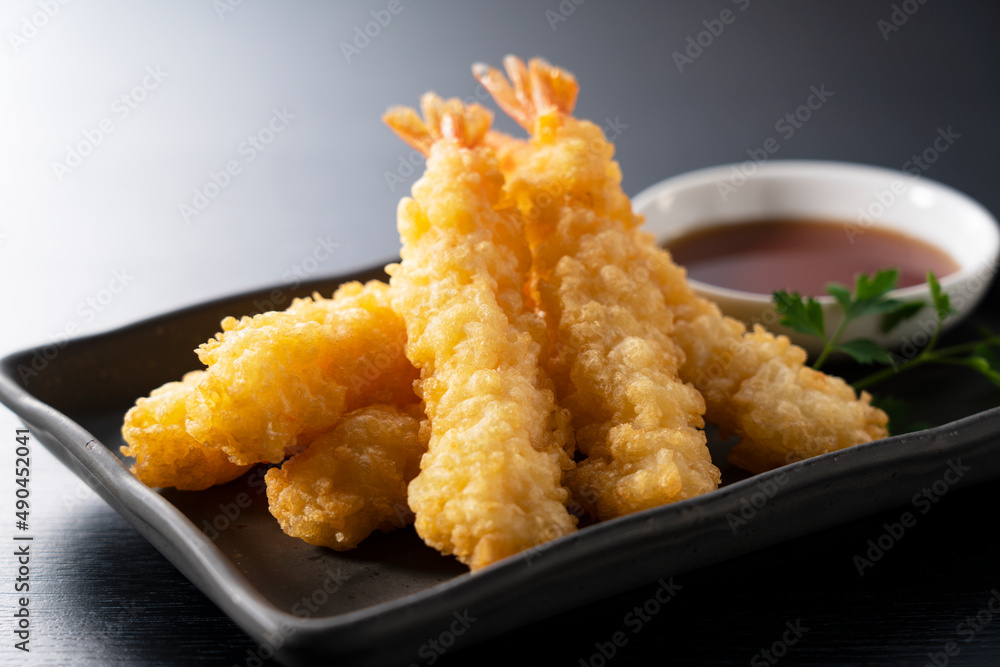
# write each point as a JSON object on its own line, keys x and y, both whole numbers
{"x": 490, "y": 483}
{"x": 277, "y": 380}
{"x": 615, "y": 365}
{"x": 780, "y": 414}
{"x": 782, "y": 410}
{"x": 352, "y": 480}
{"x": 165, "y": 455}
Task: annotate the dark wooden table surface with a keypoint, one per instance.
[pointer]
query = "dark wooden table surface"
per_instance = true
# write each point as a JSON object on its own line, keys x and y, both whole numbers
{"x": 90, "y": 242}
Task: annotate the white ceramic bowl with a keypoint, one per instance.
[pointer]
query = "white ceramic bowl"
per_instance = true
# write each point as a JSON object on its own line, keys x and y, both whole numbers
{"x": 858, "y": 195}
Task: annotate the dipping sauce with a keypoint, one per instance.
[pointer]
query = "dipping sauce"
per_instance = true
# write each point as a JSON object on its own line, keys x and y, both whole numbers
{"x": 803, "y": 255}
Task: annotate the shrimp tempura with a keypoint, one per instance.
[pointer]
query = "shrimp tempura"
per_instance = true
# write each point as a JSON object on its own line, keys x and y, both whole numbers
{"x": 490, "y": 483}
{"x": 277, "y": 380}
{"x": 165, "y": 455}
{"x": 616, "y": 367}
{"x": 351, "y": 481}
{"x": 755, "y": 384}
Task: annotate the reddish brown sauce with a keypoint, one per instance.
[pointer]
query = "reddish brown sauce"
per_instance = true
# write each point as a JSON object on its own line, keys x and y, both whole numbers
{"x": 803, "y": 255}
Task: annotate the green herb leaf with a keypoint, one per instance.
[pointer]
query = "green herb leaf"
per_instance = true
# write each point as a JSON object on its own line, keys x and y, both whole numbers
{"x": 841, "y": 294}
{"x": 904, "y": 311}
{"x": 984, "y": 368}
{"x": 987, "y": 351}
{"x": 942, "y": 302}
{"x": 875, "y": 306}
{"x": 865, "y": 351}
{"x": 879, "y": 285}
{"x": 870, "y": 294}
{"x": 804, "y": 316}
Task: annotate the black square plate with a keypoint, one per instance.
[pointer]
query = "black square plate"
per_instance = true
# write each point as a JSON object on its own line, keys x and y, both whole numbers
{"x": 388, "y": 600}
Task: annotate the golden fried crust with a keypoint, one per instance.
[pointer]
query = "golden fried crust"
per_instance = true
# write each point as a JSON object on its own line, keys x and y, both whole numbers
{"x": 616, "y": 368}
{"x": 165, "y": 455}
{"x": 721, "y": 355}
{"x": 568, "y": 163}
{"x": 490, "y": 484}
{"x": 615, "y": 364}
{"x": 791, "y": 413}
{"x": 281, "y": 377}
{"x": 756, "y": 385}
{"x": 351, "y": 481}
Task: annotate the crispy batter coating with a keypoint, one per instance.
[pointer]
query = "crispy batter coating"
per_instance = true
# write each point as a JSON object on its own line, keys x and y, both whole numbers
{"x": 566, "y": 162}
{"x": 719, "y": 356}
{"x": 278, "y": 379}
{"x": 616, "y": 367}
{"x": 616, "y": 370}
{"x": 782, "y": 410}
{"x": 490, "y": 484}
{"x": 756, "y": 386}
{"x": 165, "y": 455}
{"x": 352, "y": 480}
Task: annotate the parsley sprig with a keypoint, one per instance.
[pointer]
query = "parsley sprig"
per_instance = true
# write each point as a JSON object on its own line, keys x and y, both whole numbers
{"x": 871, "y": 297}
